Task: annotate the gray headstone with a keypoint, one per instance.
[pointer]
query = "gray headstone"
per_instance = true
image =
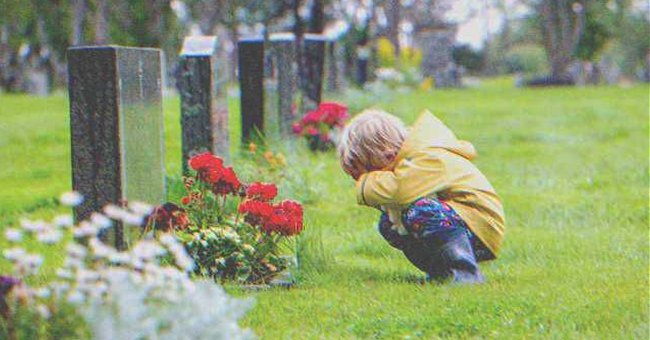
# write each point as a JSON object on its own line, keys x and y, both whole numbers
{"x": 204, "y": 103}
{"x": 117, "y": 127}
{"x": 314, "y": 64}
{"x": 437, "y": 60}
{"x": 251, "y": 83}
{"x": 286, "y": 75}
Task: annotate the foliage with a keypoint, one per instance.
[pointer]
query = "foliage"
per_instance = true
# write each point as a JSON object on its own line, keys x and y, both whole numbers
{"x": 410, "y": 58}
{"x": 527, "y": 58}
{"x": 385, "y": 53}
{"x": 144, "y": 292}
{"x": 466, "y": 56}
{"x": 233, "y": 231}
{"x": 317, "y": 126}
{"x": 596, "y": 33}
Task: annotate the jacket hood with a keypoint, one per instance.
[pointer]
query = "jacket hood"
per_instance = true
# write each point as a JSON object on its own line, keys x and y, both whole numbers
{"x": 429, "y": 132}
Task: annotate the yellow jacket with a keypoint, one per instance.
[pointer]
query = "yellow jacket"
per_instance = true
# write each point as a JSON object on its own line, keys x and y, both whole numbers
{"x": 433, "y": 163}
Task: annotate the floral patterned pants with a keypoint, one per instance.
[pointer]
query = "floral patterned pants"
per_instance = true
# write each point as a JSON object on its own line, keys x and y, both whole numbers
{"x": 439, "y": 242}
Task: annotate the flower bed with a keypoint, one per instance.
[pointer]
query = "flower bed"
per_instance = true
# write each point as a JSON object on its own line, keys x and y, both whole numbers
{"x": 317, "y": 126}
{"x": 233, "y": 231}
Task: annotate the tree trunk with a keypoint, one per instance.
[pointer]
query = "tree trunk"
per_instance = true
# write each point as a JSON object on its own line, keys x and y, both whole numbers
{"x": 394, "y": 16}
{"x": 317, "y": 18}
{"x": 561, "y": 33}
{"x": 101, "y": 22}
{"x": 78, "y": 8}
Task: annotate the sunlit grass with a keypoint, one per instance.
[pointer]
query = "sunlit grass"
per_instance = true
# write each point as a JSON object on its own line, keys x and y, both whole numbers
{"x": 570, "y": 164}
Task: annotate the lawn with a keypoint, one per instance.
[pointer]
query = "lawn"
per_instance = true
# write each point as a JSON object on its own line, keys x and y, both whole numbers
{"x": 571, "y": 166}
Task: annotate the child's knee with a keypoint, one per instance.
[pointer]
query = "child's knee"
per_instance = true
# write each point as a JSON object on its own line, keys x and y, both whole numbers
{"x": 393, "y": 238}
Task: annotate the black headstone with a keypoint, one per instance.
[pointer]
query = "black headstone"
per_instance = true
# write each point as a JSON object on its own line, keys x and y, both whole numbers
{"x": 314, "y": 63}
{"x": 286, "y": 75}
{"x": 251, "y": 83}
{"x": 204, "y": 105}
{"x": 117, "y": 128}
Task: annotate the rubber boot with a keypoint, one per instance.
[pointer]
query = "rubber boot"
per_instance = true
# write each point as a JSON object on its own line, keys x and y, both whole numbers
{"x": 453, "y": 257}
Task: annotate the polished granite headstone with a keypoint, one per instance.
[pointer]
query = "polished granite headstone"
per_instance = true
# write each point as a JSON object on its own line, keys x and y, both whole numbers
{"x": 314, "y": 64}
{"x": 117, "y": 128}
{"x": 204, "y": 104}
{"x": 251, "y": 83}
{"x": 332, "y": 66}
{"x": 286, "y": 75}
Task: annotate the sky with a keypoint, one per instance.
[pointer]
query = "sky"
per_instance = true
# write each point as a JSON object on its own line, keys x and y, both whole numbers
{"x": 477, "y": 20}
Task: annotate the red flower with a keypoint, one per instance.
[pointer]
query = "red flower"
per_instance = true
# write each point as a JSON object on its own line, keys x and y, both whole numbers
{"x": 168, "y": 217}
{"x": 312, "y": 131}
{"x": 228, "y": 183}
{"x": 285, "y": 220}
{"x": 262, "y": 191}
{"x": 297, "y": 128}
{"x": 335, "y": 114}
{"x": 205, "y": 160}
{"x": 257, "y": 212}
{"x": 313, "y": 117}
{"x": 186, "y": 200}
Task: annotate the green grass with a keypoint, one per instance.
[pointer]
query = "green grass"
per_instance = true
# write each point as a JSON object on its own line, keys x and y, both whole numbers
{"x": 571, "y": 166}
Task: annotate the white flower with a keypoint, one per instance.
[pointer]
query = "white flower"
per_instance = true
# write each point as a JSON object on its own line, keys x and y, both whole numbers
{"x": 100, "y": 221}
{"x": 13, "y": 235}
{"x": 58, "y": 288}
{"x": 71, "y": 198}
{"x": 14, "y": 254}
{"x": 85, "y": 229}
{"x": 119, "y": 258}
{"x": 132, "y": 219}
{"x": 63, "y": 274}
{"x": 140, "y": 208}
{"x": 63, "y": 221}
{"x": 114, "y": 212}
{"x": 50, "y": 236}
{"x": 147, "y": 250}
{"x": 43, "y": 311}
{"x": 42, "y": 293}
{"x": 30, "y": 263}
{"x": 248, "y": 248}
{"x": 75, "y": 297}
{"x": 75, "y": 250}
{"x": 33, "y": 260}
{"x": 33, "y": 226}
{"x": 99, "y": 249}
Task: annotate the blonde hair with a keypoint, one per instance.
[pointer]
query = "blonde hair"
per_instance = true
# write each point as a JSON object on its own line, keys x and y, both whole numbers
{"x": 371, "y": 141}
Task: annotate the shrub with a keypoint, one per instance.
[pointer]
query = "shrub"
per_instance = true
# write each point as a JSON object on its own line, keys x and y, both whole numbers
{"x": 528, "y": 58}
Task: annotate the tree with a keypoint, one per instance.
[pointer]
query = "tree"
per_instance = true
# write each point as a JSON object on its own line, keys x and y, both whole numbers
{"x": 562, "y": 26}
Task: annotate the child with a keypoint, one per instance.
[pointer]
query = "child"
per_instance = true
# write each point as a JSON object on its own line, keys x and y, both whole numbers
{"x": 437, "y": 207}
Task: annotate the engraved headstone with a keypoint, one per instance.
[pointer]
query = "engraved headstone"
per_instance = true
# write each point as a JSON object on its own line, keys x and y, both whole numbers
{"x": 204, "y": 103}
{"x": 117, "y": 128}
{"x": 314, "y": 64}
{"x": 251, "y": 83}
{"x": 286, "y": 74}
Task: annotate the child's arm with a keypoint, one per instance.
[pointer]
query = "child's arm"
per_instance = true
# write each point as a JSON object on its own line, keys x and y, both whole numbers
{"x": 412, "y": 178}
{"x": 376, "y": 188}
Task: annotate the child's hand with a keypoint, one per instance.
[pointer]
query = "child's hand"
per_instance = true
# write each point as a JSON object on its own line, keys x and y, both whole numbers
{"x": 357, "y": 171}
